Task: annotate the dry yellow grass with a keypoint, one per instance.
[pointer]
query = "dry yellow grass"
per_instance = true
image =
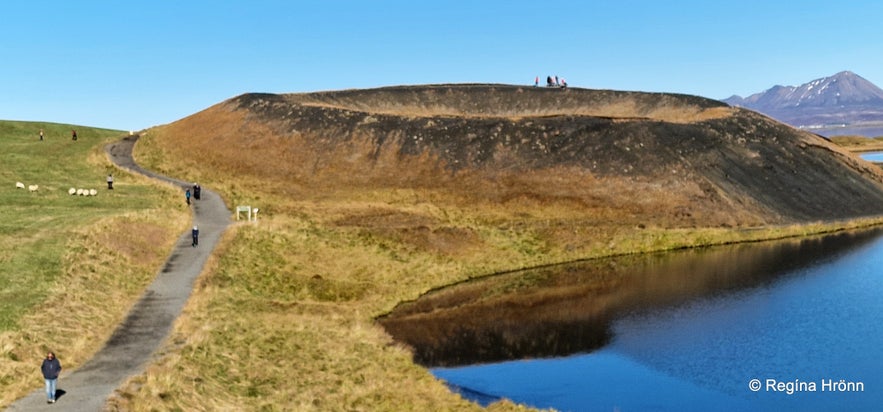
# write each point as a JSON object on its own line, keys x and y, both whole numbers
{"x": 107, "y": 266}
{"x": 858, "y": 143}
{"x": 283, "y": 316}
{"x": 72, "y": 266}
{"x": 626, "y": 109}
{"x": 283, "y": 319}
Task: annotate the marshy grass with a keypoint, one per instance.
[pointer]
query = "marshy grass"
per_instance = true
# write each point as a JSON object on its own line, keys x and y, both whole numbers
{"x": 284, "y": 317}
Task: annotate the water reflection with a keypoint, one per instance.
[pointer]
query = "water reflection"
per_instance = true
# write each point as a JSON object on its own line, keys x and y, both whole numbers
{"x": 566, "y": 309}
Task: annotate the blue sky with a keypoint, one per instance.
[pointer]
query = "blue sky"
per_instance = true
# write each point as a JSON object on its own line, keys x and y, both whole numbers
{"x": 132, "y": 65}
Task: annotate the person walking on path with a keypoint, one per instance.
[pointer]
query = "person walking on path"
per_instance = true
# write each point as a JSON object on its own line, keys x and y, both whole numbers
{"x": 187, "y": 196}
{"x": 196, "y": 191}
{"x": 195, "y": 233}
{"x": 110, "y": 181}
{"x": 137, "y": 340}
{"x": 51, "y": 368}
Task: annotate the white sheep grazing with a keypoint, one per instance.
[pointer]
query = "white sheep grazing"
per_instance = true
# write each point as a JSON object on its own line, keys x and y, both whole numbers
{"x": 93, "y": 192}
{"x": 20, "y": 185}
{"x": 79, "y": 192}
{"x": 72, "y": 191}
{"x": 33, "y": 188}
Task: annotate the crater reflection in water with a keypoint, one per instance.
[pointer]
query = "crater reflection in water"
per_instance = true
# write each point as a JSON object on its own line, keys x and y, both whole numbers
{"x": 565, "y": 309}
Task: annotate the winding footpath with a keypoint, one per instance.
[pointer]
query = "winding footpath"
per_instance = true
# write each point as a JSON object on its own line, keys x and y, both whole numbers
{"x": 129, "y": 349}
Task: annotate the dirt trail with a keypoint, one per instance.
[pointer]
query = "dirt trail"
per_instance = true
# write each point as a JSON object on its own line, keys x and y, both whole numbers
{"x": 149, "y": 322}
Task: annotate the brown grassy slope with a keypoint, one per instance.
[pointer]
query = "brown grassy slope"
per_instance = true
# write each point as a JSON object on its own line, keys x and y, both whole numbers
{"x": 859, "y": 143}
{"x": 621, "y": 157}
{"x": 364, "y": 208}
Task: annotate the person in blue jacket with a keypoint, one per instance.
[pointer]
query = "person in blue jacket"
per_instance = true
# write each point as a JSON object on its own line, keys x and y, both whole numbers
{"x": 51, "y": 368}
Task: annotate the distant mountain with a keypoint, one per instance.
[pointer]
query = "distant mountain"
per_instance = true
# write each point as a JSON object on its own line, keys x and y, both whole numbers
{"x": 844, "y": 103}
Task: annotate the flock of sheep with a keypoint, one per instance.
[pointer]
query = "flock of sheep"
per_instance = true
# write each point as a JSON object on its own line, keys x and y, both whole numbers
{"x": 72, "y": 191}
{"x": 31, "y": 188}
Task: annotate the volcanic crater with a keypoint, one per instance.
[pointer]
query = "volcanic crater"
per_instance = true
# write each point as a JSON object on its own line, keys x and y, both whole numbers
{"x": 636, "y": 158}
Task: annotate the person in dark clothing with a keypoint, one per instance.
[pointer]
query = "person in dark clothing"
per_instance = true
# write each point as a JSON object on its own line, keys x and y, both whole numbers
{"x": 51, "y": 368}
{"x": 187, "y": 195}
{"x": 73, "y": 135}
{"x": 195, "y": 236}
{"x": 110, "y": 181}
{"x": 196, "y": 191}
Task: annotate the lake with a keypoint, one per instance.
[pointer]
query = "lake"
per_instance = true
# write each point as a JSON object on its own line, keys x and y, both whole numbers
{"x": 876, "y": 157}
{"x": 789, "y": 325}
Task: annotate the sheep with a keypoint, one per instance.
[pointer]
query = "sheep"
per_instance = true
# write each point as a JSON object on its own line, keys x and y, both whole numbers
{"x": 72, "y": 191}
{"x": 19, "y": 185}
{"x": 33, "y": 188}
{"x": 79, "y": 192}
{"x": 93, "y": 192}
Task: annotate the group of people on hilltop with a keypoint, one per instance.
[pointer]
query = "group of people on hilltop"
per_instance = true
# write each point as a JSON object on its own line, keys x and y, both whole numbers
{"x": 551, "y": 81}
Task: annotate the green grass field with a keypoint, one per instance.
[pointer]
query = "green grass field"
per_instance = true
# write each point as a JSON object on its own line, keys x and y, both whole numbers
{"x": 71, "y": 265}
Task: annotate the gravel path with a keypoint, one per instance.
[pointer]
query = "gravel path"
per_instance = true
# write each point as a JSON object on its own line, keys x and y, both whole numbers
{"x": 131, "y": 346}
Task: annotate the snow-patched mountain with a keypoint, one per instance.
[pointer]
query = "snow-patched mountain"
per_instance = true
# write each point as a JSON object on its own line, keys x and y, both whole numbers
{"x": 842, "y": 100}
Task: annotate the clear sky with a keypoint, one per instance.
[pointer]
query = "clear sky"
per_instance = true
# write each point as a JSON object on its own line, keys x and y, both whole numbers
{"x": 130, "y": 65}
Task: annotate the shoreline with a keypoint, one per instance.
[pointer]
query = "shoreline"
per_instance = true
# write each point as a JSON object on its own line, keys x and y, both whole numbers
{"x": 790, "y": 232}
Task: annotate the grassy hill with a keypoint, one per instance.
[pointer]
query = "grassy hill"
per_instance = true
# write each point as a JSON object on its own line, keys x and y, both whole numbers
{"x": 859, "y": 143}
{"x": 71, "y": 265}
{"x": 688, "y": 161}
{"x": 369, "y": 198}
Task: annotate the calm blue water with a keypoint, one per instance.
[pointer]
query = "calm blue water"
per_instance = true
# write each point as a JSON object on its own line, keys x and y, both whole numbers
{"x": 876, "y": 157}
{"x": 810, "y": 325}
